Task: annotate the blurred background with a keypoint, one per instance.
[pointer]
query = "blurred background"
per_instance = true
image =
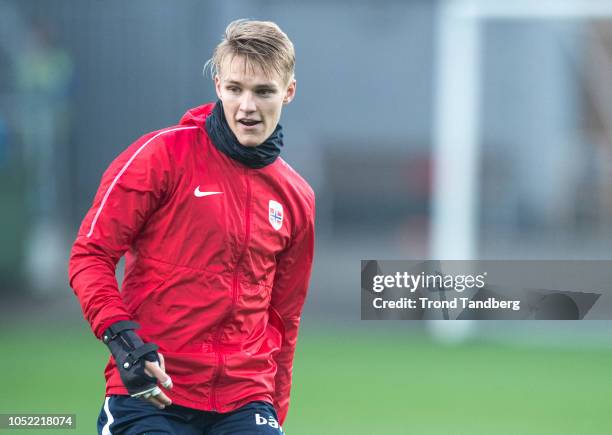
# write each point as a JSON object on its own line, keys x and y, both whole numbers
{"x": 428, "y": 129}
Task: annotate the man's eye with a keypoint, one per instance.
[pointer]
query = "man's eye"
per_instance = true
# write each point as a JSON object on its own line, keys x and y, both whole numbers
{"x": 233, "y": 89}
{"x": 265, "y": 92}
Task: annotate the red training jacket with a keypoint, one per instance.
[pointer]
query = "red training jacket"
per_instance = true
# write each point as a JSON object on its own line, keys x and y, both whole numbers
{"x": 217, "y": 263}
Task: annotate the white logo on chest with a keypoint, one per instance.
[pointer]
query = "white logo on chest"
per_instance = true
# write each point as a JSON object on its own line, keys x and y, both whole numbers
{"x": 275, "y": 214}
{"x": 198, "y": 193}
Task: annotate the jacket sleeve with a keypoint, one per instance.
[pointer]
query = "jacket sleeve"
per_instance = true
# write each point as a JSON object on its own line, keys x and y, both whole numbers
{"x": 288, "y": 296}
{"x": 132, "y": 188}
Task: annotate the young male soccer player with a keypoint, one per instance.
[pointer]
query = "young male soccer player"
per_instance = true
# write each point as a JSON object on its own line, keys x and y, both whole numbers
{"x": 218, "y": 236}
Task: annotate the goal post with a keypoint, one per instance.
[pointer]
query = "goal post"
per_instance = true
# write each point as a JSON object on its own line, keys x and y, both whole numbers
{"x": 456, "y": 124}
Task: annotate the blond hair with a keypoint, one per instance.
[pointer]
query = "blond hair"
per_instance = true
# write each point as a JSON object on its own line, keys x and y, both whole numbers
{"x": 261, "y": 43}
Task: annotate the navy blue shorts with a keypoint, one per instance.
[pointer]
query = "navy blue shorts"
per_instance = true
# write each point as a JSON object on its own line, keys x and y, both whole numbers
{"x": 128, "y": 416}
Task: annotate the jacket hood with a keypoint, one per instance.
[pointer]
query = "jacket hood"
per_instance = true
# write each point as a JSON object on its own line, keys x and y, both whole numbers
{"x": 197, "y": 115}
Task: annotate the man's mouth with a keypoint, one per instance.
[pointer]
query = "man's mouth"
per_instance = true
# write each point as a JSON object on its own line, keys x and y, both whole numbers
{"x": 249, "y": 122}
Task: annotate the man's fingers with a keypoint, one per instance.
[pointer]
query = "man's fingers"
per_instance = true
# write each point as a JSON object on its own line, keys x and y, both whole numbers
{"x": 162, "y": 362}
{"x": 163, "y": 399}
{"x": 156, "y": 402}
{"x": 153, "y": 369}
{"x": 160, "y": 400}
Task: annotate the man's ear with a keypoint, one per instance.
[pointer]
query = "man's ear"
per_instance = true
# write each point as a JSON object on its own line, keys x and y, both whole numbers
{"x": 218, "y": 86}
{"x": 290, "y": 92}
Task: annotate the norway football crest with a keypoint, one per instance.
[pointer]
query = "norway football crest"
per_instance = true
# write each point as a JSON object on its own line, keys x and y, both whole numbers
{"x": 275, "y": 214}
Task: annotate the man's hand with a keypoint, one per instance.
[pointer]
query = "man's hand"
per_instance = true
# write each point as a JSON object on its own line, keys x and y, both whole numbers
{"x": 158, "y": 371}
{"x": 139, "y": 364}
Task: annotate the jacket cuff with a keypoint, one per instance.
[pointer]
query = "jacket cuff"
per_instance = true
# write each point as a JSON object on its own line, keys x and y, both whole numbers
{"x": 107, "y": 323}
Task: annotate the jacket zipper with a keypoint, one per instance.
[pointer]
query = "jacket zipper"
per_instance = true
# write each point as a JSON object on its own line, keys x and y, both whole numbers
{"x": 217, "y": 339}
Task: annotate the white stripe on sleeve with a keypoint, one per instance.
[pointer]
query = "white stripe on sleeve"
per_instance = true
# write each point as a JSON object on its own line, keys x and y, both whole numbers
{"x": 110, "y": 188}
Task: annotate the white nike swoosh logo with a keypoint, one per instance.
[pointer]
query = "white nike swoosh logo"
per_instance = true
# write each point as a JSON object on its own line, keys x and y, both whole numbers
{"x": 200, "y": 194}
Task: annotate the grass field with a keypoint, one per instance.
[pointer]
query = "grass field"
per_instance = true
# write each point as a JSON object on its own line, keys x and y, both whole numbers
{"x": 349, "y": 384}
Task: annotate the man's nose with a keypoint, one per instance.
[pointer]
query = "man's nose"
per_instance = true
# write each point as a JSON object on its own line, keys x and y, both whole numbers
{"x": 247, "y": 102}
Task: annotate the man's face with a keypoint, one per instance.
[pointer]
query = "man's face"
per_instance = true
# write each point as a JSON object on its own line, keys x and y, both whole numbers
{"x": 252, "y": 101}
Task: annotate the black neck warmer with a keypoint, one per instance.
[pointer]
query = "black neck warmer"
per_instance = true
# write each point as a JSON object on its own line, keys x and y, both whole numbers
{"x": 225, "y": 141}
